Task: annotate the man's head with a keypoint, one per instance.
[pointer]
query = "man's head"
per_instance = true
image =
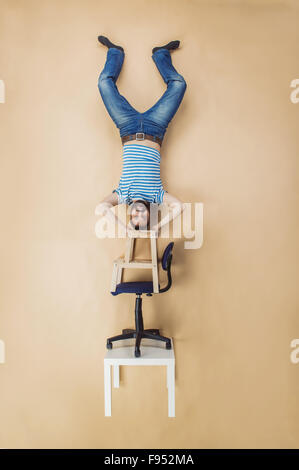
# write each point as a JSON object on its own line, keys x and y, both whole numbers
{"x": 140, "y": 214}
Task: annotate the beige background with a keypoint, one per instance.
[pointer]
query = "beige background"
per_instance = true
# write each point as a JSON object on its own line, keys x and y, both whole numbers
{"x": 233, "y": 144}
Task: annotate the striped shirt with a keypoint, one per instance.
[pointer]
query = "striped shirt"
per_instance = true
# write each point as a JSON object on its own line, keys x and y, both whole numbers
{"x": 140, "y": 177}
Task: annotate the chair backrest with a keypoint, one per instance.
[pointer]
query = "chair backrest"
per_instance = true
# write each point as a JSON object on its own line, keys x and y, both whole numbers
{"x": 166, "y": 265}
{"x": 167, "y": 255}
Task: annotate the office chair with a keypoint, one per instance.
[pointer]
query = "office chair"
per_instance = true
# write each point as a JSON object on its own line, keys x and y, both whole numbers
{"x": 139, "y": 288}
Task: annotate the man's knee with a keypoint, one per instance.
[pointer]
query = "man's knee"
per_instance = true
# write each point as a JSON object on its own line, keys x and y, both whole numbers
{"x": 181, "y": 82}
{"x": 103, "y": 86}
{"x": 102, "y": 80}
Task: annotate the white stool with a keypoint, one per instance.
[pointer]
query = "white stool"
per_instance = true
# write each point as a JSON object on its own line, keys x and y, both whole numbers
{"x": 151, "y": 355}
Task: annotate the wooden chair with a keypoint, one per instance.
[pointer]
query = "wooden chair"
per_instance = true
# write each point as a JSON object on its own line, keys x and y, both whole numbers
{"x": 128, "y": 262}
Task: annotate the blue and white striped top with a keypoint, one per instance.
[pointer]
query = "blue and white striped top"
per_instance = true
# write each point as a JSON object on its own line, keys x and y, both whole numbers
{"x": 140, "y": 177}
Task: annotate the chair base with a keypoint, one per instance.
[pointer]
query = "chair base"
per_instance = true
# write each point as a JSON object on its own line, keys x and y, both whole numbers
{"x": 139, "y": 331}
{"x": 130, "y": 333}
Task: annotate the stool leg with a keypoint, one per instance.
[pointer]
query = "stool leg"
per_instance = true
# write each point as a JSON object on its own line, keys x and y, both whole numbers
{"x": 130, "y": 243}
{"x": 107, "y": 382}
{"x": 119, "y": 275}
{"x": 116, "y": 376}
{"x": 155, "y": 265}
{"x": 114, "y": 277}
{"x": 171, "y": 389}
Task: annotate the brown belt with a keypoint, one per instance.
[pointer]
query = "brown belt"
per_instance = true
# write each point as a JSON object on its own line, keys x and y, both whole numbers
{"x": 141, "y": 136}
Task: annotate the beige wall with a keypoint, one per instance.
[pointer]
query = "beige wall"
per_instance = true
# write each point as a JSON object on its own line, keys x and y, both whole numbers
{"x": 233, "y": 144}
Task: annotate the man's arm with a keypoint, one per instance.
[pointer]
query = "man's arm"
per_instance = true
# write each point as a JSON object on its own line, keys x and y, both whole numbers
{"x": 176, "y": 207}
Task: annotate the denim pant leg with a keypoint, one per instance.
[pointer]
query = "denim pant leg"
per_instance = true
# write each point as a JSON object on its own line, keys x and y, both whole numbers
{"x": 117, "y": 106}
{"x": 164, "y": 110}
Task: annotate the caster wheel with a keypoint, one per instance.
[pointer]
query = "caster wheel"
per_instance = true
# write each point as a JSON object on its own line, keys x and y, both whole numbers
{"x": 109, "y": 345}
{"x": 168, "y": 345}
{"x": 137, "y": 352}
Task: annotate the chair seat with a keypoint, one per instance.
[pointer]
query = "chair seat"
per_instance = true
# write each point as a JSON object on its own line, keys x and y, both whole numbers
{"x": 138, "y": 287}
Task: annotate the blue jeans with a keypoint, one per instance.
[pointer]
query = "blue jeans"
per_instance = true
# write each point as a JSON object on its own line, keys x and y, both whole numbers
{"x": 156, "y": 119}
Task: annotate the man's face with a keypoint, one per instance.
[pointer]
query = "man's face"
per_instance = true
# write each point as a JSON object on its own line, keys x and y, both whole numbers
{"x": 139, "y": 215}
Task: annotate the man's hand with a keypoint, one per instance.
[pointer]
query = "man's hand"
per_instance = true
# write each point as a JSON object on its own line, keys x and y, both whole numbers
{"x": 102, "y": 208}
